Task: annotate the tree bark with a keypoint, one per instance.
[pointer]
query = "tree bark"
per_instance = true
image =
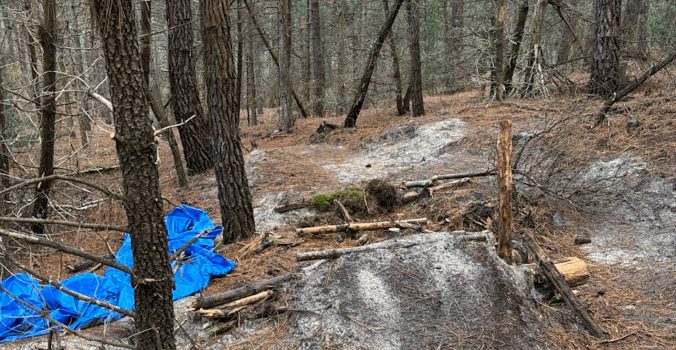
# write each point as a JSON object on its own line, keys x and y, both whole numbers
{"x": 317, "y": 57}
{"x": 83, "y": 118}
{"x": 351, "y": 119}
{"x": 240, "y": 54}
{"x": 4, "y": 150}
{"x": 396, "y": 73}
{"x": 417, "y": 106}
{"x": 341, "y": 104}
{"x": 185, "y": 101}
{"x": 499, "y": 50}
{"x": 48, "y": 110}
{"x": 605, "y": 67}
{"x": 516, "y": 45}
{"x": 234, "y": 195}
{"x": 136, "y": 151}
{"x": 642, "y": 34}
{"x": 284, "y": 20}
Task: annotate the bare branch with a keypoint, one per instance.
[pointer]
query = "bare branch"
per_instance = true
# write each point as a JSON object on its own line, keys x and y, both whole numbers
{"x": 64, "y": 223}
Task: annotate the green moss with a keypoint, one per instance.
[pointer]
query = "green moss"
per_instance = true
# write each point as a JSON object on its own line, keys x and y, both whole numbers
{"x": 324, "y": 201}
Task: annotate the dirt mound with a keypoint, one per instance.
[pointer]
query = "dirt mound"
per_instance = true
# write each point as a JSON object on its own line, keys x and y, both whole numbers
{"x": 437, "y": 293}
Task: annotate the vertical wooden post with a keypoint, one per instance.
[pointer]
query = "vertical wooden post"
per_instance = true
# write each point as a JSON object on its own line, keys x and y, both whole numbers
{"x": 504, "y": 153}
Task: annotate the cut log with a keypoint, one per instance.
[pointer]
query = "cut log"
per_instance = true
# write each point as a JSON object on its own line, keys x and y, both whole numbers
{"x": 389, "y": 244}
{"x": 210, "y": 301}
{"x": 224, "y": 311}
{"x": 556, "y": 278}
{"x": 364, "y": 226}
{"x": 574, "y": 270}
{"x": 434, "y": 180}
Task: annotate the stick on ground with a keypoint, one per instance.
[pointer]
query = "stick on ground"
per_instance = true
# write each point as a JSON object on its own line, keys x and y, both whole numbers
{"x": 364, "y": 226}
{"x": 210, "y": 301}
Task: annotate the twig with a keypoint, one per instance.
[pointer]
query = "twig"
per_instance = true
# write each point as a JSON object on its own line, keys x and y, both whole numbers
{"x": 51, "y": 244}
{"x": 64, "y": 223}
{"x": 617, "y": 339}
{"x": 63, "y": 178}
{"x": 157, "y": 132}
{"x": 178, "y": 252}
{"x": 343, "y": 211}
{"x": 44, "y": 314}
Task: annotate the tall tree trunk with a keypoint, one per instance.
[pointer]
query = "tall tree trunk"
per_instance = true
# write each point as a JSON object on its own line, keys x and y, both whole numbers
{"x": 317, "y": 57}
{"x": 351, "y": 118}
{"x": 307, "y": 56}
{"x": 567, "y": 37}
{"x": 417, "y": 107}
{"x": 396, "y": 73}
{"x": 234, "y": 195}
{"x": 499, "y": 50}
{"x": 284, "y": 17}
{"x": 48, "y": 111}
{"x": 164, "y": 122}
{"x": 642, "y": 29}
{"x": 453, "y": 23}
{"x": 534, "y": 57}
{"x": 33, "y": 57}
{"x": 240, "y": 54}
{"x": 185, "y": 100}
{"x": 629, "y": 24}
{"x": 4, "y": 151}
{"x": 266, "y": 42}
{"x": 83, "y": 118}
{"x": 136, "y": 151}
{"x": 251, "y": 79}
{"x": 341, "y": 104}
{"x": 516, "y": 45}
{"x": 605, "y": 67}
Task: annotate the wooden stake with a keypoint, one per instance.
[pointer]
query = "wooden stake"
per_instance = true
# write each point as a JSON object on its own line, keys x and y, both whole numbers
{"x": 504, "y": 153}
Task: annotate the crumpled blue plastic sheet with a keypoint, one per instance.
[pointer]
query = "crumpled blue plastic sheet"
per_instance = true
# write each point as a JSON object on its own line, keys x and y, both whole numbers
{"x": 194, "y": 273}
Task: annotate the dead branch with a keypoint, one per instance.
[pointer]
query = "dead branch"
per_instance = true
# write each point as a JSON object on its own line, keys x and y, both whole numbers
{"x": 100, "y": 227}
{"x": 601, "y": 116}
{"x": 62, "y": 178}
{"x": 51, "y": 244}
{"x": 178, "y": 252}
{"x": 343, "y": 211}
{"x": 291, "y": 206}
{"x": 210, "y": 301}
{"x": 74, "y": 294}
{"x": 85, "y": 264}
{"x": 448, "y": 185}
{"x": 230, "y": 308}
{"x": 435, "y": 179}
{"x": 45, "y": 314}
{"x": 101, "y": 99}
{"x": 562, "y": 287}
{"x": 389, "y": 244}
{"x": 364, "y": 226}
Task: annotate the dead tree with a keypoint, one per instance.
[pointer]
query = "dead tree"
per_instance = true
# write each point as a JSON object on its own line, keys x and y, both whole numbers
{"x": 358, "y": 102}
{"x": 48, "y": 111}
{"x": 234, "y": 195}
{"x": 136, "y": 152}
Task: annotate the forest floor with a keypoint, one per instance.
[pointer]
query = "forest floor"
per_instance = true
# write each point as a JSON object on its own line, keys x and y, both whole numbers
{"x": 614, "y": 184}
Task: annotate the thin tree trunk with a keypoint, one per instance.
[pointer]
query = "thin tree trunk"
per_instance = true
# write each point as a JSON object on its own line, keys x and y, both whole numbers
{"x": 185, "y": 100}
{"x": 307, "y": 57}
{"x": 341, "y": 104}
{"x": 234, "y": 195}
{"x": 396, "y": 73}
{"x": 417, "y": 106}
{"x": 521, "y": 17}
{"x": 605, "y": 67}
{"x": 317, "y": 57}
{"x": 31, "y": 53}
{"x": 4, "y": 151}
{"x": 499, "y": 50}
{"x": 266, "y": 42}
{"x": 48, "y": 110}
{"x": 240, "y": 54}
{"x": 567, "y": 38}
{"x": 83, "y": 119}
{"x": 629, "y": 24}
{"x": 136, "y": 151}
{"x": 642, "y": 30}
{"x": 284, "y": 17}
{"x": 164, "y": 122}
{"x": 534, "y": 59}
{"x": 351, "y": 119}
{"x": 251, "y": 80}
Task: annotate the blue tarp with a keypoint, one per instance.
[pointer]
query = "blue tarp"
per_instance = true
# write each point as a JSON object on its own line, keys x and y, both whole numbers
{"x": 196, "y": 270}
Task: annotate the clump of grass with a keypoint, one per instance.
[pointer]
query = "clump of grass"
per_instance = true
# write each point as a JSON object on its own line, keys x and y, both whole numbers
{"x": 324, "y": 201}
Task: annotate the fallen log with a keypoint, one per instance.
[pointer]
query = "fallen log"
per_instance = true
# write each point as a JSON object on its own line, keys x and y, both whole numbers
{"x": 85, "y": 264}
{"x": 448, "y": 185}
{"x": 389, "y": 244}
{"x": 211, "y": 301}
{"x": 434, "y": 180}
{"x": 224, "y": 311}
{"x": 291, "y": 206}
{"x": 363, "y": 226}
{"x": 556, "y": 278}
{"x": 222, "y": 328}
